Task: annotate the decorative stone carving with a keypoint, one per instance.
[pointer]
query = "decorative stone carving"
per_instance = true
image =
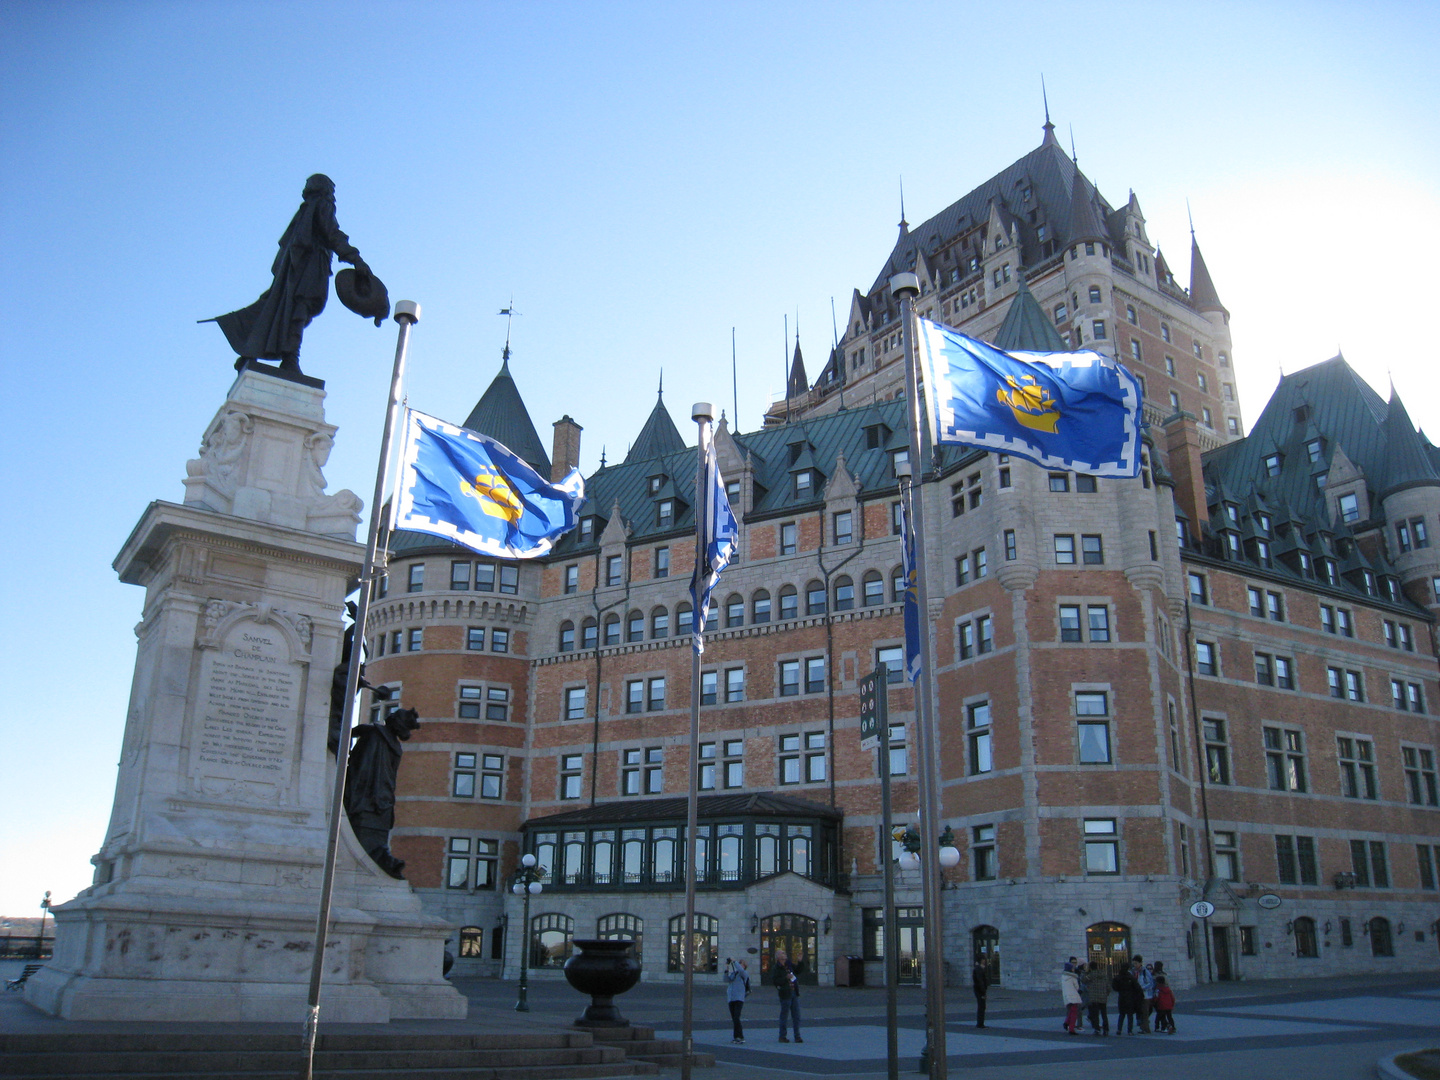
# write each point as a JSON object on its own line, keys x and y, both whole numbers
{"x": 217, "y": 611}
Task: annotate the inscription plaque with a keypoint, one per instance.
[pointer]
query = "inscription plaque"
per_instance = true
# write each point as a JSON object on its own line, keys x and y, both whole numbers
{"x": 247, "y": 707}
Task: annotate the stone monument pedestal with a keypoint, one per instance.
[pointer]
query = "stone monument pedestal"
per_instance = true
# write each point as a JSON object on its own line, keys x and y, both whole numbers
{"x": 207, "y": 886}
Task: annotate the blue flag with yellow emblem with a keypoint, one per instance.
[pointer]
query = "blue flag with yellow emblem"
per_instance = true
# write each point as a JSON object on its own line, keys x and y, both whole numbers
{"x": 914, "y": 655}
{"x": 468, "y": 488}
{"x": 1068, "y": 410}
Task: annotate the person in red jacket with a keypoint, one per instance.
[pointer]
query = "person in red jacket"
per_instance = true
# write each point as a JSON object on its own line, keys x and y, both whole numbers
{"x": 1164, "y": 1006}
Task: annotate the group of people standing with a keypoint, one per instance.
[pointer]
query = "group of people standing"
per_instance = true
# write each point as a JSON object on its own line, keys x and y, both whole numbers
{"x": 784, "y": 974}
{"x": 1142, "y": 990}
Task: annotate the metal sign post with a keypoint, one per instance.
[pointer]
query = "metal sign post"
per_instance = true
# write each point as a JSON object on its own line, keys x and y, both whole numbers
{"x": 875, "y": 719}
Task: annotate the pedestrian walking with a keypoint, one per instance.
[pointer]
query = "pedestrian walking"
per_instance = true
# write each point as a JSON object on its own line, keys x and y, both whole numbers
{"x": 788, "y": 987}
{"x": 980, "y": 983}
{"x": 1129, "y": 999}
{"x": 1146, "y": 979}
{"x": 1097, "y": 996}
{"x": 737, "y": 989}
{"x": 1070, "y": 993}
{"x": 1164, "y": 1005}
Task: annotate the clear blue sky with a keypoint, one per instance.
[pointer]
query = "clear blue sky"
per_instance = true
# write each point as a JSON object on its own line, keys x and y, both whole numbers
{"x": 641, "y": 178}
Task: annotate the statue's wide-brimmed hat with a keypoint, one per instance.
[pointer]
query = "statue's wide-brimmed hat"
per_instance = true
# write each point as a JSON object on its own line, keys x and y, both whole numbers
{"x": 363, "y": 293}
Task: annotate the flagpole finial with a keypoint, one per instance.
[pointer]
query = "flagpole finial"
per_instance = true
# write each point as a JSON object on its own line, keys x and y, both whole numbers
{"x": 903, "y": 283}
{"x": 407, "y": 311}
{"x": 702, "y": 411}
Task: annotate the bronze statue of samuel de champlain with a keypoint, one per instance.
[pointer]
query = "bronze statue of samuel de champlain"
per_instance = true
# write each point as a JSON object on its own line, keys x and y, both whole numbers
{"x": 270, "y": 328}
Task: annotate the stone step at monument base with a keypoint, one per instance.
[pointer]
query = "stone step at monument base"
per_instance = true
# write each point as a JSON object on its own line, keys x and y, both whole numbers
{"x": 380, "y": 1056}
{"x": 640, "y": 1044}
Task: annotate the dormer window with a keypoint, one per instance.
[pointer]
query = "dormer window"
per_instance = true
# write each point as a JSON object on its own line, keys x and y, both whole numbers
{"x": 1262, "y": 553}
{"x": 876, "y": 436}
{"x": 655, "y": 483}
{"x": 1305, "y": 565}
{"x": 1232, "y": 542}
{"x": 1316, "y": 449}
{"x": 1262, "y": 522}
{"x": 1349, "y": 507}
{"x": 665, "y": 513}
{"x": 1272, "y": 465}
{"x": 1329, "y": 572}
{"x": 1232, "y": 513}
{"x": 1369, "y": 578}
{"x": 804, "y": 483}
{"x": 1320, "y": 480}
{"x": 587, "y": 530}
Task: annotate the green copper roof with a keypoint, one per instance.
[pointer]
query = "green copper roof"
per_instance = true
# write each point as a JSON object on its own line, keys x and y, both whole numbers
{"x": 1026, "y": 328}
{"x": 658, "y": 437}
{"x": 501, "y": 414}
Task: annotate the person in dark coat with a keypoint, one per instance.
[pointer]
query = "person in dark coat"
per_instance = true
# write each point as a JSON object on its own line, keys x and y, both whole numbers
{"x": 788, "y": 987}
{"x": 271, "y": 327}
{"x": 1130, "y": 999}
{"x": 980, "y": 983}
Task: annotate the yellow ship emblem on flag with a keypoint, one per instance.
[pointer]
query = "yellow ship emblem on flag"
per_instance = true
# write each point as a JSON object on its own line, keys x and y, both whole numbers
{"x": 494, "y": 495}
{"x": 1030, "y": 403}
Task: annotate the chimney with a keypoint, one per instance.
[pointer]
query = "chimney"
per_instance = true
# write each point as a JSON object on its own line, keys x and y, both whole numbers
{"x": 565, "y": 451}
{"x": 1182, "y": 447}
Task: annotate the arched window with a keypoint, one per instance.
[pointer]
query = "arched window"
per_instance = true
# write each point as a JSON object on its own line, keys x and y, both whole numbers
{"x": 621, "y": 927}
{"x": 612, "y": 630}
{"x": 874, "y": 588}
{"x": 789, "y": 602}
{"x": 659, "y": 623}
{"x": 844, "y": 593}
{"x": 815, "y": 598}
{"x": 897, "y": 585}
{"x": 734, "y": 610}
{"x": 760, "y": 606}
{"x": 730, "y": 838}
{"x": 588, "y": 633}
{"x": 1108, "y": 944}
{"x": 703, "y": 948}
{"x": 684, "y": 619}
{"x": 985, "y": 946}
{"x": 550, "y": 937}
{"x": 472, "y": 942}
{"x": 635, "y": 626}
{"x": 767, "y": 850}
{"x": 567, "y": 636}
{"x": 1305, "y": 945}
{"x": 1381, "y": 943}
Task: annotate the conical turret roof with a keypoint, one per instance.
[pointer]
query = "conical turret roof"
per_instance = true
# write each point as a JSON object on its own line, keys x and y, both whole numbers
{"x": 501, "y": 414}
{"x": 1202, "y": 289}
{"x": 798, "y": 383}
{"x": 1026, "y": 329}
{"x": 658, "y": 437}
{"x": 1406, "y": 462}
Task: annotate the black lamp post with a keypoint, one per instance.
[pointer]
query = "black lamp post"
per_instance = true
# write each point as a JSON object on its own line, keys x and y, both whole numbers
{"x": 525, "y": 883}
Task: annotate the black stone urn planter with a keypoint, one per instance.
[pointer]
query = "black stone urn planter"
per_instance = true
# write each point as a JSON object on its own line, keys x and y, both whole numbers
{"x": 602, "y": 969}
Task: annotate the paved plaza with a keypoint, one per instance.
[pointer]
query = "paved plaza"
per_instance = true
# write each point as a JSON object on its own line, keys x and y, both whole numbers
{"x": 1279, "y": 1030}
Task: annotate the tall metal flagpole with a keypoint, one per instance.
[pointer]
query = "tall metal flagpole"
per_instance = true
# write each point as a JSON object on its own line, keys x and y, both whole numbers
{"x": 407, "y": 314}
{"x": 907, "y": 287}
{"x": 700, "y": 412}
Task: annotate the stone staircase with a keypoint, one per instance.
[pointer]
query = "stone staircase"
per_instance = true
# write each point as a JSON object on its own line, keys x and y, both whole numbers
{"x": 518, "y": 1055}
{"x": 640, "y": 1045}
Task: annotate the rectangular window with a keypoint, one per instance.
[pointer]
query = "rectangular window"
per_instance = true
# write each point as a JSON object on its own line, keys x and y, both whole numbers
{"x": 1357, "y": 767}
{"x": 497, "y": 703}
{"x": 1064, "y": 549}
{"x": 982, "y": 851}
{"x": 814, "y": 674}
{"x": 1070, "y": 622}
{"x": 460, "y": 576}
{"x": 416, "y": 638}
{"x": 1085, "y": 483}
{"x": 635, "y": 696}
{"x": 1264, "y": 669}
{"x": 787, "y": 538}
{"x": 485, "y": 577}
{"x": 510, "y": 579}
{"x": 734, "y": 763}
{"x": 709, "y": 687}
{"x": 1425, "y": 859}
{"x": 1098, "y": 617}
{"x": 843, "y": 527}
{"x": 789, "y": 678}
{"x": 1285, "y": 673}
{"x": 734, "y": 685}
{"x": 417, "y": 577}
{"x": 1093, "y": 550}
{"x": 789, "y": 759}
{"x": 965, "y": 641}
{"x": 1097, "y": 329}
{"x": 1206, "y": 658}
{"x": 814, "y": 757}
{"x": 1420, "y": 777}
{"x": 706, "y": 781}
{"x": 654, "y": 774}
{"x": 984, "y": 635}
{"x": 492, "y": 775}
{"x": 662, "y": 562}
{"x": 1217, "y": 750}
{"x": 1305, "y": 857}
{"x": 614, "y": 569}
{"x": 475, "y": 638}
{"x": 1010, "y": 550}
{"x": 630, "y": 776}
{"x": 1256, "y": 599}
{"x": 1059, "y": 481}
{"x": 1344, "y": 620}
{"x": 1371, "y": 868}
{"x": 892, "y": 659}
{"x": 655, "y": 699}
{"x": 1199, "y": 594}
{"x": 570, "y": 775}
{"x": 1285, "y": 759}
{"x": 899, "y": 759}
{"x": 572, "y": 578}
{"x": 575, "y": 703}
{"x": 1227, "y": 856}
{"x": 462, "y": 782}
{"x": 1102, "y": 846}
{"x": 499, "y": 640}
{"x": 978, "y": 723}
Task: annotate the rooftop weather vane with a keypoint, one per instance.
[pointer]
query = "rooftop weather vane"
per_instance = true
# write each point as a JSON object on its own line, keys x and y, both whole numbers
{"x": 271, "y": 327}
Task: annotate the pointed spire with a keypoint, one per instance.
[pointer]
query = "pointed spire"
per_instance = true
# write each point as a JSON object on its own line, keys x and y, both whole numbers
{"x": 1084, "y": 222}
{"x": 501, "y": 414}
{"x": 658, "y": 437}
{"x": 1049, "y": 128}
{"x": 1073, "y": 155}
{"x": 1202, "y": 289}
{"x": 1026, "y": 329}
{"x": 1406, "y": 462}
{"x": 660, "y": 392}
{"x": 904, "y": 225}
{"x": 798, "y": 383}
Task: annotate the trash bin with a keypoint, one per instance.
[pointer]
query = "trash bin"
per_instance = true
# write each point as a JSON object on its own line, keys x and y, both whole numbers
{"x": 849, "y": 971}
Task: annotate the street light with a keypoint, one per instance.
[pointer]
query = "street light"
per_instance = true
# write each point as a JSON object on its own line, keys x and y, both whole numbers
{"x": 44, "y": 910}
{"x": 909, "y": 859}
{"x": 526, "y": 883}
